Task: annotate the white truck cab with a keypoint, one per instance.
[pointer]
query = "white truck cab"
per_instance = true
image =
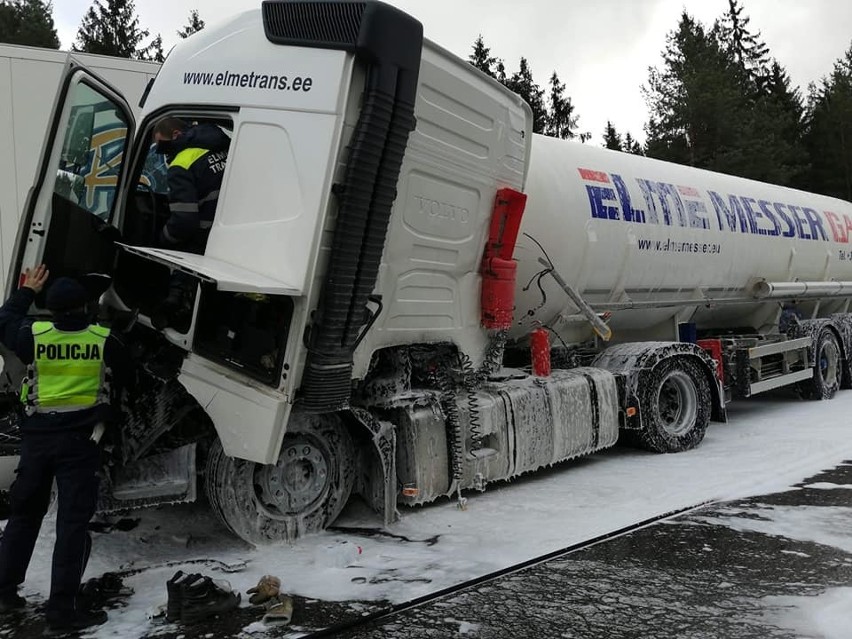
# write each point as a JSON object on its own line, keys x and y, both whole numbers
{"x": 320, "y": 110}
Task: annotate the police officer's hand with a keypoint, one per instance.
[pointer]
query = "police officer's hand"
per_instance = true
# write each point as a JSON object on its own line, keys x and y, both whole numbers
{"x": 35, "y": 278}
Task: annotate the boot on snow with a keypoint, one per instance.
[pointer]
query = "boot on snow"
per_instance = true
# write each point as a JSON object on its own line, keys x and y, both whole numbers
{"x": 11, "y": 603}
{"x": 73, "y": 622}
{"x": 205, "y": 598}
{"x": 174, "y": 587}
{"x": 279, "y": 611}
{"x": 267, "y": 588}
{"x": 101, "y": 590}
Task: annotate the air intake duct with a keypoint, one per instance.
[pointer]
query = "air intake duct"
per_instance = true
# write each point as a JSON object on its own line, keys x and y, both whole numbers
{"x": 388, "y": 43}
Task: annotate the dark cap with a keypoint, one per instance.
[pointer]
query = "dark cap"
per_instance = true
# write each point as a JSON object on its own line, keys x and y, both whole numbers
{"x": 66, "y": 294}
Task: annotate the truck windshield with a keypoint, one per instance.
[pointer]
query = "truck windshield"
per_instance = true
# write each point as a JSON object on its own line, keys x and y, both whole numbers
{"x": 92, "y": 152}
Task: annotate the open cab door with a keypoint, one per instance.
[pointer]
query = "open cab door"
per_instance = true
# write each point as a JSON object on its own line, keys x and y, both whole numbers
{"x": 67, "y": 220}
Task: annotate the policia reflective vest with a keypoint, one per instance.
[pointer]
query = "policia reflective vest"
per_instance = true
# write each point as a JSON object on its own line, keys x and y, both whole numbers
{"x": 68, "y": 372}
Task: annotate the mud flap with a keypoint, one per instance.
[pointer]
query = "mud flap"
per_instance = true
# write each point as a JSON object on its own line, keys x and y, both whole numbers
{"x": 165, "y": 478}
{"x": 380, "y": 492}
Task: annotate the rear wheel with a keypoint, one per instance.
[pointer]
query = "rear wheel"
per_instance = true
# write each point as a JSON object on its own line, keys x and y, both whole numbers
{"x": 675, "y": 406}
{"x": 827, "y": 369}
{"x": 302, "y": 493}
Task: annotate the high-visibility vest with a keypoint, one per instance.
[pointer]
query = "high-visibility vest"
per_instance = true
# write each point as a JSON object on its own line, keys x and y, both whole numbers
{"x": 68, "y": 372}
{"x": 187, "y": 157}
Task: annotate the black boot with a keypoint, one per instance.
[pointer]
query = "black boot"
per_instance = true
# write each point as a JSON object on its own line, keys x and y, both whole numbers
{"x": 59, "y": 626}
{"x": 11, "y": 602}
{"x": 204, "y": 599}
{"x": 175, "y": 588}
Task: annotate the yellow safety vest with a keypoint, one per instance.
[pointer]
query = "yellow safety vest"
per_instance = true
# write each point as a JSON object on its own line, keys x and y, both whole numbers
{"x": 187, "y": 157}
{"x": 68, "y": 371}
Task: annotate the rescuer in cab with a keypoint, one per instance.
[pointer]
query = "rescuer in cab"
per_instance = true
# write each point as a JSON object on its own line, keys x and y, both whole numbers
{"x": 196, "y": 156}
{"x": 75, "y": 370}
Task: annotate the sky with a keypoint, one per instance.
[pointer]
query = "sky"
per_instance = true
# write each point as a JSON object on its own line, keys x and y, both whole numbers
{"x": 601, "y": 50}
{"x": 761, "y": 450}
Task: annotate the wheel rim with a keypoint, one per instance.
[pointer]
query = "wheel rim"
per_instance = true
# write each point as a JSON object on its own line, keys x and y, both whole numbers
{"x": 677, "y": 403}
{"x": 829, "y": 362}
{"x": 296, "y": 482}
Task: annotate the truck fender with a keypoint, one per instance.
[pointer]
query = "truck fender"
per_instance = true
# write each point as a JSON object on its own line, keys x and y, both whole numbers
{"x": 633, "y": 360}
{"x": 376, "y": 443}
{"x": 841, "y": 325}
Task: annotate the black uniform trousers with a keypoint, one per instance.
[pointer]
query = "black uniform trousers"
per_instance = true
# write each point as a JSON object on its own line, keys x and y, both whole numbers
{"x": 73, "y": 459}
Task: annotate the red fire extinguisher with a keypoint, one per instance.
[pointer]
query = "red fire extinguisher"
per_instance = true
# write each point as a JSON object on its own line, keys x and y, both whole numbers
{"x": 540, "y": 352}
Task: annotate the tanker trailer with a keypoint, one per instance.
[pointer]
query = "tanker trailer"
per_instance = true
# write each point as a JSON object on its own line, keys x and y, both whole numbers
{"x": 390, "y": 240}
{"x": 758, "y": 276}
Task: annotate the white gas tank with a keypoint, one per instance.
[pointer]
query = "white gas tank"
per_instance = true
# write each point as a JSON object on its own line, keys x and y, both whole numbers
{"x": 624, "y": 229}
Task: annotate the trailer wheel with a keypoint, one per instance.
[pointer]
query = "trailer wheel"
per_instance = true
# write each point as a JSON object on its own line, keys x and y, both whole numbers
{"x": 302, "y": 493}
{"x": 828, "y": 368}
{"x": 675, "y": 406}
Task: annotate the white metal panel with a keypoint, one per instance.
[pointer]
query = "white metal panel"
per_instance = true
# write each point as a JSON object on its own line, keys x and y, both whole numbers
{"x": 234, "y": 63}
{"x": 29, "y": 81}
{"x": 34, "y": 86}
{"x": 228, "y": 277}
{"x": 249, "y": 419}
{"x": 470, "y": 140}
{"x": 274, "y": 193}
{"x": 8, "y": 168}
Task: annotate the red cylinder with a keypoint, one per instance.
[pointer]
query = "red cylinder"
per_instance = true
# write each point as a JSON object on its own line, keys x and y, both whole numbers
{"x": 540, "y": 352}
{"x": 498, "y": 293}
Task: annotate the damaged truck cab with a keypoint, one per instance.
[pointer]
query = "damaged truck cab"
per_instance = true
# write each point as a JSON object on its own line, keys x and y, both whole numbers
{"x": 360, "y": 315}
{"x": 285, "y": 322}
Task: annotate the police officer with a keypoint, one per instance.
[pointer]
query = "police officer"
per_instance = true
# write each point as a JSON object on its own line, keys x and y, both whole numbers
{"x": 72, "y": 366}
{"x": 196, "y": 157}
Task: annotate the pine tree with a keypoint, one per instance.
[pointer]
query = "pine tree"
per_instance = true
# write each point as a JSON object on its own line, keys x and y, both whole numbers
{"x": 612, "y": 139}
{"x": 779, "y": 129}
{"x": 631, "y": 145}
{"x": 722, "y": 104}
{"x": 500, "y": 72}
{"x": 194, "y": 25}
{"x": 555, "y": 116}
{"x": 695, "y": 102}
{"x": 829, "y": 132}
{"x": 772, "y": 140}
{"x": 561, "y": 120}
{"x": 748, "y": 50}
{"x": 28, "y": 22}
{"x": 523, "y": 84}
{"x": 111, "y": 27}
{"x": 154, "y": 51}
{"x": 482, "y": 59}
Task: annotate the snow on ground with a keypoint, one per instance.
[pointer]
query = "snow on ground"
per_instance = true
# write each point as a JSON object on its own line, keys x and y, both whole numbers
{"x": 825, "y": 616}
{"x": 824, "y": 485}
{"x": 826, "y": 525}
{"x": 822, "y": 616}
{"x": 767, "y": 446}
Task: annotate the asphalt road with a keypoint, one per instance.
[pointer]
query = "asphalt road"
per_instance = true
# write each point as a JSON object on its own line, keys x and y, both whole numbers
{"x": 692, "y": 577}
{"x": 724, "y": 571}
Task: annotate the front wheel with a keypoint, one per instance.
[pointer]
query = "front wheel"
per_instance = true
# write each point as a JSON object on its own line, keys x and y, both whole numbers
{"x": 675, "y": 406}
{"x": 302, "y": 493}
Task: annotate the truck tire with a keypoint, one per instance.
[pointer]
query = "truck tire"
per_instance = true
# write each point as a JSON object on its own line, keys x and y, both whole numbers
{"x": 675, "y": 405}
{"x": 302, "y": 493}
{"x": 828, "y": 368}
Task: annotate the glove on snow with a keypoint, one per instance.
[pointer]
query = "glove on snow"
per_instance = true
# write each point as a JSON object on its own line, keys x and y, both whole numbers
{"x": 267, "y": 588}
{"x": 279, "y": 611}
